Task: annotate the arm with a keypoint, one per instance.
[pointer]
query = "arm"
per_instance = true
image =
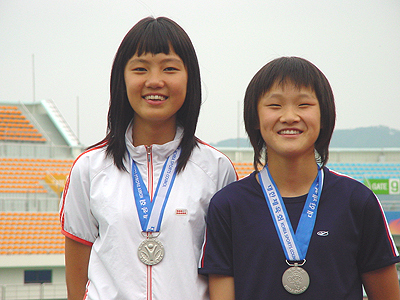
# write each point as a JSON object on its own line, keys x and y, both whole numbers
{"x": 382, "y": 284}
{"x": 221, "y": 287}
{"x": 76, "y": 268}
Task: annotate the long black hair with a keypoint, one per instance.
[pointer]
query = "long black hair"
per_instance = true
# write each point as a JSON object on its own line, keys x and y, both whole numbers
{"x": 152, "y": 35}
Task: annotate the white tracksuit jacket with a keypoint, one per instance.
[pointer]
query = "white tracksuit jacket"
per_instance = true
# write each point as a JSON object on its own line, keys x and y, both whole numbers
{"x": 98, "y": 209}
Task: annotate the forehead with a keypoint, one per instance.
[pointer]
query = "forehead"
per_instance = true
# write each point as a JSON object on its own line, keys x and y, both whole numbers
{"x": 148, "y": 57}
{"x": 286, "y": 86}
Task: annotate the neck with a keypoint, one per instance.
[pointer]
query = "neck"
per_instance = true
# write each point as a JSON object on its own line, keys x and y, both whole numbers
{"x": 149, "y": 134}
{"x": 293, "y": 177}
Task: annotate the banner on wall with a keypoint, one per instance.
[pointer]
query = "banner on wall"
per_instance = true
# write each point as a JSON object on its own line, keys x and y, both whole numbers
{"x": 388, "y": 186}
{"x": 393, "y": 219}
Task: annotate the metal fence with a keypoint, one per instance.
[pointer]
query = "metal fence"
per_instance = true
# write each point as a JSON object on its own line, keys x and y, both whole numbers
{"x": 36, "y": 291}
{"x": 29, "y": 150}
{"x": 29, "y": 203}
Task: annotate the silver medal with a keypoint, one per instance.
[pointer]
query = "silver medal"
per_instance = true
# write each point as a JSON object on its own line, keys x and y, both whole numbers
{"x": 151, "y": 251}
{"x": 295, "y": 279}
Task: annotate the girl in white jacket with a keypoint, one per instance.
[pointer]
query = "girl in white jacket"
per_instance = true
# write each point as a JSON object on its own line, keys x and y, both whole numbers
{"x": 134, "y": 206}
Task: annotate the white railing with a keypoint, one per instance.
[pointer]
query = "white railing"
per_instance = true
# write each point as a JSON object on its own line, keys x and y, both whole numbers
{"x": 30, "y": 204}
{"x": 28, "y": 150}
{"x": 61, "y": 124}
{"x": 37, "y": 291}
{"x": 390, "y": 205}
{"x": 35, "y": 122}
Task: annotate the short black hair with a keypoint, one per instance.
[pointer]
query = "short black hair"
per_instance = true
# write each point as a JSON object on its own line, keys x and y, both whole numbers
{"x": 301, "y": 73}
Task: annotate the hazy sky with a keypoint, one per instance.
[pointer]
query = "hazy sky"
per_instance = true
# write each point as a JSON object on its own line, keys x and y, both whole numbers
{"x": 355, "y": 43}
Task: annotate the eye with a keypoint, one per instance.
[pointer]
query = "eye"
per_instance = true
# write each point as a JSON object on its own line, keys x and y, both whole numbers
{"x": 305, "y": 104}
{"x": 170, "y": 69}
{"x": 274, "y": 105}
{"x": 139, "y": 69}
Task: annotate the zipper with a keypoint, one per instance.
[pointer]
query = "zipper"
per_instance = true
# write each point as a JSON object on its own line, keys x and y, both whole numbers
{"x": 149, "y": 153}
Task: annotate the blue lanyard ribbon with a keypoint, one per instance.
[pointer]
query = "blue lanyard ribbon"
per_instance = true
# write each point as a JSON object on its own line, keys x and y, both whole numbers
{"x": 295, "y": 245}
{"x": 151, "y": 212}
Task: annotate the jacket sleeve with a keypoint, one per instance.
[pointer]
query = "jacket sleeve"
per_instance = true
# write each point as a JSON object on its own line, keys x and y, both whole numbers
{"x": 377, "y": 248}
{"x": 217, "y": 256}
{"x": 227, "y": 173}
{"x": 77, "y": 220}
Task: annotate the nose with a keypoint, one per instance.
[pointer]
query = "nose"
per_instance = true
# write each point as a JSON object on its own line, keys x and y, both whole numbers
{"x": 289, "y": 115}
{"x": 154, "y": 80}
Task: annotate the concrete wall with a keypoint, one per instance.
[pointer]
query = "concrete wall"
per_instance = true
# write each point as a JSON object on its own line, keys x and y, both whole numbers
{"x": 12, "y": 267}
{"x": 16, "y": 275}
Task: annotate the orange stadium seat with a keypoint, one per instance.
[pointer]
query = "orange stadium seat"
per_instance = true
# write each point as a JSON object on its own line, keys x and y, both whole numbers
{"x": 11, "y": 120}
{"x": 30, "y": 233}
{"x": 19, "y": 125}
{"x": 14, "y": 126}
{"x": 28, "y": 175}
{"x": 9, "y": 116}
{"x": 243, "y": 168}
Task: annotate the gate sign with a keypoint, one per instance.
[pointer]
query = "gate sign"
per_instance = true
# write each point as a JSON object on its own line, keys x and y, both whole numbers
{"x": 389, "y": 186}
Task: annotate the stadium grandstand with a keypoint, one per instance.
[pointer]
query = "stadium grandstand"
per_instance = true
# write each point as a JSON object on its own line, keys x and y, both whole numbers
{"x": 37, "y": 149}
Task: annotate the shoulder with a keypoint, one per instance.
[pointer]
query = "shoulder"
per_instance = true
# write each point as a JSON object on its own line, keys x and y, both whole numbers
{"x": 205, "y": 151}
{"x": 92, "y": 161}
{"x": 335, "y": 180}
{"x": 246, "y": 189}
{"x": 239, "y": 200}
{"x": 344, "y": 189}
{"x": 212, "y": 161}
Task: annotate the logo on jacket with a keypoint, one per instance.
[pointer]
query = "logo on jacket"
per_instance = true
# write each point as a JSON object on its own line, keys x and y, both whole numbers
{"x": 181, "y": 211}
{"x": 323, "y": 233}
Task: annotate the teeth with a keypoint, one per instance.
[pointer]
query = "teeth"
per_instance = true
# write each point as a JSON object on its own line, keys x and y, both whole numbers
{"x": 289, "y": 132}
{"x": 155, "y": 97}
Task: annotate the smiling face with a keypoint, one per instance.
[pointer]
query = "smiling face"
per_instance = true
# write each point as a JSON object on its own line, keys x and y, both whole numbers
{"x": 156, "y": 87}
{"x": 289, "y": 121}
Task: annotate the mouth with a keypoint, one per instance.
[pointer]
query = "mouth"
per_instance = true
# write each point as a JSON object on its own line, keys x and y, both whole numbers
{"x": 289, "y": 132}
{"x": 155, "y": 97}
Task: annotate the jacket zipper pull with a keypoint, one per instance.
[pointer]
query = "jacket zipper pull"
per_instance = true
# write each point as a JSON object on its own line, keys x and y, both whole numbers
{"x": 148, "y": 150}
{"x": 150, "y": 171}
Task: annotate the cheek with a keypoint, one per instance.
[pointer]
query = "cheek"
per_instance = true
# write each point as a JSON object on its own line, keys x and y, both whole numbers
{"x": 133, "y": 91}
{"x": 180, "y": 87}
{"x": 266, "y": 122}
{"x": 182, "y": 91}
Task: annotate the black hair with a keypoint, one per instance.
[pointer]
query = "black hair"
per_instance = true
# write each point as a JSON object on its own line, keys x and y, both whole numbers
{"x": 152, "y": 35}
{"x": 301, "y": 73}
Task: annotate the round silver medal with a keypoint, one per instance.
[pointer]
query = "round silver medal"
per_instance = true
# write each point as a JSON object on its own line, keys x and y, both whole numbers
{"x": 151, "y": 251}
{"x": 295, "y": 280}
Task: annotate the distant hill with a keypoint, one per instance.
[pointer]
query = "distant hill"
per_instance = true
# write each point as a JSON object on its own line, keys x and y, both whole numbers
{"x": 241, "y": 142}
{"x": 364, "y": 137}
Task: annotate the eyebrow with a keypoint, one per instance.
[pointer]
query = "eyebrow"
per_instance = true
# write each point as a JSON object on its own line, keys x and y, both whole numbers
{"x": 303, "y": 95}
{"x": 145, "y": 61}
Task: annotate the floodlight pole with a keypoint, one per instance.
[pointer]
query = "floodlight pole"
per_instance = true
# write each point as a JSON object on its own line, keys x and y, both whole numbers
{"x": 238, "y": 125}
{"x": 77, "y": 117}
{"x": 33, "y": 78}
